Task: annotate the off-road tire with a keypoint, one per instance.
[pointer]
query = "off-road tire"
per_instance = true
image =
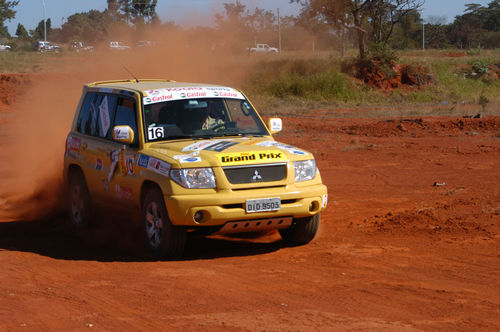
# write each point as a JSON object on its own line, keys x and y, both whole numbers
{"x": 302, "y": 230}
{"x": 79, "y": 205}
{"x": 162, "y": 239}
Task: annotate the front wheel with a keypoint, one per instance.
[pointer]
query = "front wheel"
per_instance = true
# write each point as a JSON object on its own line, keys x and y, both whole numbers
{"x": 162, "y": 238}
{"x": 302, "y": 231}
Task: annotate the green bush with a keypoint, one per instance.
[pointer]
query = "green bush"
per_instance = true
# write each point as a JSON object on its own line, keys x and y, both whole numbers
{"x": 382, "y": 53}
{"x": 480, "y": 67}
{"x": 311, "y": 79}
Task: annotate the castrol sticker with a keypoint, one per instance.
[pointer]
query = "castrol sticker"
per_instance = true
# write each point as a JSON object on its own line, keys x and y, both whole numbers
{"x": 167, "y": 94}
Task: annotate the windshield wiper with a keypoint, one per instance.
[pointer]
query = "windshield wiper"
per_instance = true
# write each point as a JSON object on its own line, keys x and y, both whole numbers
{"x": 202, "y": 136}
{"x": 179, "y": 137}
{"x": 243, "y": 134}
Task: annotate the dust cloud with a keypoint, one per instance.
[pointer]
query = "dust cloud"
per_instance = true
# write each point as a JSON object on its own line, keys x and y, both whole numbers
{"x": 33, "y": 137}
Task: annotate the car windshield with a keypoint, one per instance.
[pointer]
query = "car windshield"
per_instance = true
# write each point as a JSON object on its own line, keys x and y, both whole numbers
{"x": 199, "y": 117}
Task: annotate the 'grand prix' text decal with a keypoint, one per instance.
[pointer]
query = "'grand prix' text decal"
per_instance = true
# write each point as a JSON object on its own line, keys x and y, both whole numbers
{"x": 248, "y": 158}
{"x": 161, "y": 95}
{"x": 289, "y": 148}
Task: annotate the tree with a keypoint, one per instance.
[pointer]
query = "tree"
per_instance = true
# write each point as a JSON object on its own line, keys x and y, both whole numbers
{"x": 233, "y": 21}
{"x": 407, "y": 32}
{"x": 113, "y": 10}
{"x": 39, "y": 32}
{"x": 491, "y": 16}
{"x": 89, "y": 27}
{"x": 260, "y": 22}
{"x": 386, "y": 14}
{"x": 233, "y": 16}
{"x": 478, "y": 27}
{"x": 138, "y": 12}
{"x": 6, "y": 13}
{"x": 21, "y": 32}
{"x": 376, "y": 17}
{"x": 339, "y": 14}
{"x": 245, "y": 26}
{"x": 436, "y": 34}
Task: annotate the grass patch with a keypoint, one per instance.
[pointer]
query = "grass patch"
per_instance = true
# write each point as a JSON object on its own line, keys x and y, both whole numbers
{"x": 456, "y": 86}
{"x": 314, "y": 79}
{"x": 20, "y": 61}
{"x": 317, "y": 80}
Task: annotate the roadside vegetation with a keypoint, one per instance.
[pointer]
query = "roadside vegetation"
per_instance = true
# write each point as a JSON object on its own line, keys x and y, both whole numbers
{"x": 346, "y": 53}
{"x": 437, "y": 79}
{"x": 325, "y": 79}
{"x": 20, "y": 62}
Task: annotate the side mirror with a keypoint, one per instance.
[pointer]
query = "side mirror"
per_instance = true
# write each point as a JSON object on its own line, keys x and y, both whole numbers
{"x": 123, "y": 134}
{"x": 275, "y": 125}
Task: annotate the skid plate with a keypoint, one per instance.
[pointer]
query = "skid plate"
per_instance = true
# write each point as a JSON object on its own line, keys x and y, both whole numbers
{"x": 255, "y": 225}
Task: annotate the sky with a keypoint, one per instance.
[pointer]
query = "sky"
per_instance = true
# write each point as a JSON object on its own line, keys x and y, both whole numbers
{"x": 190, "y": 12}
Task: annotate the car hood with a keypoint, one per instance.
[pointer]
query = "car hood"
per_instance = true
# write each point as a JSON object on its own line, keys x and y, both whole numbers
{"x": 225, "y": 152}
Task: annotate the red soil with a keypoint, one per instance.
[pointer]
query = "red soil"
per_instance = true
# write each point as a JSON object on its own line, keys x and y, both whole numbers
{"x": 10, "y": 85}
{"x": 387, "y": 78}
{"x": 410, "y": 241}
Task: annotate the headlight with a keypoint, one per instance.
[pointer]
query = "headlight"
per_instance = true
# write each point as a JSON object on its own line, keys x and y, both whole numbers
{"x": 194, "y": 178}
{"x": 304, "y": 170}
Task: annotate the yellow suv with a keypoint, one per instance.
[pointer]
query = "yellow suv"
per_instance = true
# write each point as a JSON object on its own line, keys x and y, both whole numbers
{"x": 188, "y": 157}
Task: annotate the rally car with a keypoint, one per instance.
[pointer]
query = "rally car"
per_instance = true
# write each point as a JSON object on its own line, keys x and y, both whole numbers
{"x": 188, "y": 158}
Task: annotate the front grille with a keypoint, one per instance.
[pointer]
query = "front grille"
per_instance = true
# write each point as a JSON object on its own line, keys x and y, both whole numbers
{"x": 255, "y": 173}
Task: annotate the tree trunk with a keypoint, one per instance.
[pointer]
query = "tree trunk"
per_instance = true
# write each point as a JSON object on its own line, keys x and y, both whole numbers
{"x": 360, "y": 33}
{"x": 342, "y": 42}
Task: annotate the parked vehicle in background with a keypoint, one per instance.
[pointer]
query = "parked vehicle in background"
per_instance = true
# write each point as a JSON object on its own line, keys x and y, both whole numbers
{"x": 79, "y": 46}
{"x": 263, "y": 48}
{"x": 4, "y": 48}
{"x": 46, "y": 46}
{"x": 145, "y": 43}
{"x": 118, "y": 46}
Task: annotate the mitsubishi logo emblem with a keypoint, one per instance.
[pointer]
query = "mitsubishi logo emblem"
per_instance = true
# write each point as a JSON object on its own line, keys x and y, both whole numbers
{"x": 256, "y": 176}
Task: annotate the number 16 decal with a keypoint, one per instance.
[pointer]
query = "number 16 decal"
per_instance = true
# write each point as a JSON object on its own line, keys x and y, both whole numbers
{"x": 155, "y": 133}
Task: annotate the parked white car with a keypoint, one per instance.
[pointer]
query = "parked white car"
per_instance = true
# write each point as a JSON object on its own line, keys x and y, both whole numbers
{"x": 118, "y": 46}
{"x": 263, "y": 48}
{"x": 46, "y": 46}
{"x": 4, "y": 48}
{"x": 79, "y": 46}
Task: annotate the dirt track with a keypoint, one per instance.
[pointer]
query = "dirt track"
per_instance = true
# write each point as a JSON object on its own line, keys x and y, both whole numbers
{"x": 395, "y": 252}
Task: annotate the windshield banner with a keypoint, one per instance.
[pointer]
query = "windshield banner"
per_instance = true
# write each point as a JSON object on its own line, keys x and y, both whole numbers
{"x": 161, "y": 95}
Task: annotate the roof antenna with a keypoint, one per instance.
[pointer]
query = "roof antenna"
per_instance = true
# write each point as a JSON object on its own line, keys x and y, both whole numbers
{"x": 128, "y": 71}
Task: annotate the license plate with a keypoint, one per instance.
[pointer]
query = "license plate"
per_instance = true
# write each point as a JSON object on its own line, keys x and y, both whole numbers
{"x": 263, "y": 205}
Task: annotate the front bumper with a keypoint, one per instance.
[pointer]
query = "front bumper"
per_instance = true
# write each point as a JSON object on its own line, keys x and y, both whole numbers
{"x": 229, "y": 205}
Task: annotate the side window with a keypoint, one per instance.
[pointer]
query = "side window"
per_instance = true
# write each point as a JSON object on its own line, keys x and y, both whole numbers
{"x": 105, "y": 106}
{"x": 97, "y": 112}
{"x": 126, "y": 115}
{"x": 84, "y": 122}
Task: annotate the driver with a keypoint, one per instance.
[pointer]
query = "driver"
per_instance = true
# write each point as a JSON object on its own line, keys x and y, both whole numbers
{"x": 213, "y": 119}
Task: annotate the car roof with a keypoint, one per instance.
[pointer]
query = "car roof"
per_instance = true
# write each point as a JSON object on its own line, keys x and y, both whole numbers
{"x": 142, "y": 85}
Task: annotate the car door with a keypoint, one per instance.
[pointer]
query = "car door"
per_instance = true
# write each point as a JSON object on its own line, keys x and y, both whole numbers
{"x": 95, "y": 123}
{"x": 122, "y": 180}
